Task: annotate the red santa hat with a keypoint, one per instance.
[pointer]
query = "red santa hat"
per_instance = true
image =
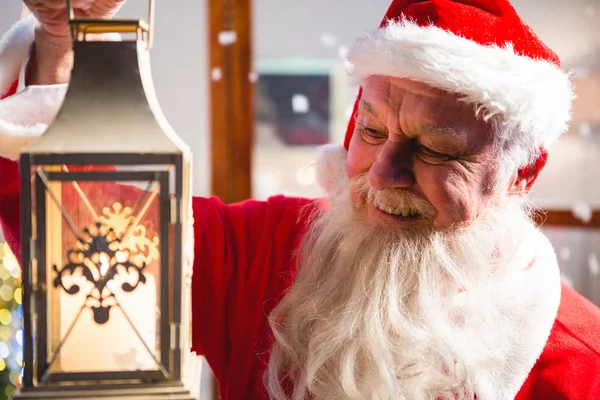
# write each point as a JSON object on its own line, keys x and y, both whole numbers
{"x": 479, "y": 49}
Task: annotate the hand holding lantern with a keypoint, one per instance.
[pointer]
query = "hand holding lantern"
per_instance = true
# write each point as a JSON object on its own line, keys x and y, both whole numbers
{"x": 53, "y": 16}
{"x": 51, "y": 58}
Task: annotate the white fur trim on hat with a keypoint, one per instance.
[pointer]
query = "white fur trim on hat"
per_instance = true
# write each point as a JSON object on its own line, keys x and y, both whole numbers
{"x": 531, "y": 97}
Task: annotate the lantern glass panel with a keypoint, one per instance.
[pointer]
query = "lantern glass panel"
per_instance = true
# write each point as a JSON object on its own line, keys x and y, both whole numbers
{"x": 99, "y": 236}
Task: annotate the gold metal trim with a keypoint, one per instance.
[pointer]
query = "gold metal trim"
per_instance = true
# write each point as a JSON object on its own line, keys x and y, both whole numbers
{"x": 80, "y": 28}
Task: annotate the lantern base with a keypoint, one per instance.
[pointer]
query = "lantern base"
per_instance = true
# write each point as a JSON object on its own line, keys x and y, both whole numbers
{"x": 143, "y": 391}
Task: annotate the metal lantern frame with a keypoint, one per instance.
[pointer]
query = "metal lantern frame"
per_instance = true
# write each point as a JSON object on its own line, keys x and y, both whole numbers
{"x": 164, "y": 161}
{"x": 34, "y": 251}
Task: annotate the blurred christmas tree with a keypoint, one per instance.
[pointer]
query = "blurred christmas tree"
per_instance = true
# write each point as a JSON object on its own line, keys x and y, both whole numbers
{"x": 11, "y": 333}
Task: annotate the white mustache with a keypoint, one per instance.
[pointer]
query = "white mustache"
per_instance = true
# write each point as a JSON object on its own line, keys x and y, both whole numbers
{"x": 392, "y": 198}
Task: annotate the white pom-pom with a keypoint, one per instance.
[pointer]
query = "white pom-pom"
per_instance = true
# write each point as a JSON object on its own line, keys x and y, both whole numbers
{"x": 331, "y": 172}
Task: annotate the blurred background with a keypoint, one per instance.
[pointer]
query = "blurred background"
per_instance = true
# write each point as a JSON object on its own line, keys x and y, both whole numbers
{"x": 254, "y": 87}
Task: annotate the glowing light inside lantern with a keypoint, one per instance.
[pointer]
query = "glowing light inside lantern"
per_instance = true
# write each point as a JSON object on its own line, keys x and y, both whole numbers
{"x": 121, "y": 256}
{"x": 103, "y": 264}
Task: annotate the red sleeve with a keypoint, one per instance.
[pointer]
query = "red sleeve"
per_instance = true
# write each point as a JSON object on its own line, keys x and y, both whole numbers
{"x": 225, "y": 236}
{"x": 9, "y": 204}
{"x": 9, "y": 196}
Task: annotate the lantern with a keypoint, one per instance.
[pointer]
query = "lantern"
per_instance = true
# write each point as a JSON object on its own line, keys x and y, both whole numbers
{"x": 105, "y": 216}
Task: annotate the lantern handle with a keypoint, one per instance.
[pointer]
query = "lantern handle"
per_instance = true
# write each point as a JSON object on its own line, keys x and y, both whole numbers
{"x": 80, "y": 28}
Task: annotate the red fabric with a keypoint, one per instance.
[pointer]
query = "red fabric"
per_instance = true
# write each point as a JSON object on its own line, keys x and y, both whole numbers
{"x": 487, "y": 22}
{"x": 9, "y": 195}
{"x": 9, "y": 204}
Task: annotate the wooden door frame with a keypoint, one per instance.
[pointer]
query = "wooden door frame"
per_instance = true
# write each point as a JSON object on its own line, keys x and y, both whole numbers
{"x": 231, "y": 103}
{"x": 231, "y": 106}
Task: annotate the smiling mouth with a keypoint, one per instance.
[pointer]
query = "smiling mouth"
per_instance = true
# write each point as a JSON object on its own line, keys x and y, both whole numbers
{"x": 398, "y": 212}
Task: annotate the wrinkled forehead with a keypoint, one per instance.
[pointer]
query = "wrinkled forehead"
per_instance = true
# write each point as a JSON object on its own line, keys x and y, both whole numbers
{"x": 407, "y": 103}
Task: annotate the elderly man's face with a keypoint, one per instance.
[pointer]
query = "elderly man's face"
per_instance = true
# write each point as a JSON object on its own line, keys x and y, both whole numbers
{"x": 417, "y": 139}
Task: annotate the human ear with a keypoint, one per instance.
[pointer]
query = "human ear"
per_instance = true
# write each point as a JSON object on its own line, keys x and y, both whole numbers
{"x": 527, "y": 175}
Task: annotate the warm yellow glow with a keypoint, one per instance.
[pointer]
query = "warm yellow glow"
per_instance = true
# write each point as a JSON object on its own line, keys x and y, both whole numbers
{"x": 104, "y": 264}
{"x": 5, "y": 317}
{"x": 136, "y": 246}
{"x": 118, "y": 218}
{"x": 10, "y": 262}
{"x": 6, "y": 292}
{"x": 2, "y": 364}
{"x": 18, "y": 295}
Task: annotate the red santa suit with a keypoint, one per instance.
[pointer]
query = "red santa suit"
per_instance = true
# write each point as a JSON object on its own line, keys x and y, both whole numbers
{"x": 244, "y": 253}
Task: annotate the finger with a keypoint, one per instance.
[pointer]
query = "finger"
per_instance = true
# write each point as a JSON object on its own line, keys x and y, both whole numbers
{"x": 84, "y": 4}
{"x": 106, "y": 8}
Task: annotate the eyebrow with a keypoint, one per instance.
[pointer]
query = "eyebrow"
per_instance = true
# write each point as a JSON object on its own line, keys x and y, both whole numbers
{"x": 366, "y": 106}
{"x": 427, "y": 128}
{"x": 439, "y": 130}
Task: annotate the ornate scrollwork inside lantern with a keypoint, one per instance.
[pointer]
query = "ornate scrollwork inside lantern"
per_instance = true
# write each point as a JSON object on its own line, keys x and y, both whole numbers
{"x": 115, "y": 245}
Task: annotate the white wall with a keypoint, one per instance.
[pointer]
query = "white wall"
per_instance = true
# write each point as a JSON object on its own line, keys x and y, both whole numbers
{"x": 286, "y": 28}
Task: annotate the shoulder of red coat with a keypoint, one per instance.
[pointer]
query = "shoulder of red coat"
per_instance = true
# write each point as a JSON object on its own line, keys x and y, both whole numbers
{"x": 569, "y": 366}
{"x": 577, "y": 322}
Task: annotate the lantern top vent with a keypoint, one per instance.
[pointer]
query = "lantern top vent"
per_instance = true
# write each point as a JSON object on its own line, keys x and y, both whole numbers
{"x": 110, "y": 106}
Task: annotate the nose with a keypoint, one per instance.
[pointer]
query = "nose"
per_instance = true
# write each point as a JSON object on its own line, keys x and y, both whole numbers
{"x": 393, "y": 166}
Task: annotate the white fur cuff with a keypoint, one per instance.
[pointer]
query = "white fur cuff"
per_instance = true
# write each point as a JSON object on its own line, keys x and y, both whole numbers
{"x": 25, "y": 115}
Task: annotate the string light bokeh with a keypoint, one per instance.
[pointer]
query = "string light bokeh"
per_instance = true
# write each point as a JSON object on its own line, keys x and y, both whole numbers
{"x": 11, "y": 332}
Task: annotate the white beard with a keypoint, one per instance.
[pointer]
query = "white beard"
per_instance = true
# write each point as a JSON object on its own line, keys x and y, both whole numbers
{"x": 378, "y": 312}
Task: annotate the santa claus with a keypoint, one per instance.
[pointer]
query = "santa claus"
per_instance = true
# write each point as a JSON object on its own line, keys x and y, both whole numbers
{"x": 421, "y": 276}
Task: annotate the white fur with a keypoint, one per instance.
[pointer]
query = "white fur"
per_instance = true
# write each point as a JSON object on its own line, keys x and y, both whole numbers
{"x": 531, "y": 97}
{"x": 25, "y": 115}
{"x": 527, "y": 300}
